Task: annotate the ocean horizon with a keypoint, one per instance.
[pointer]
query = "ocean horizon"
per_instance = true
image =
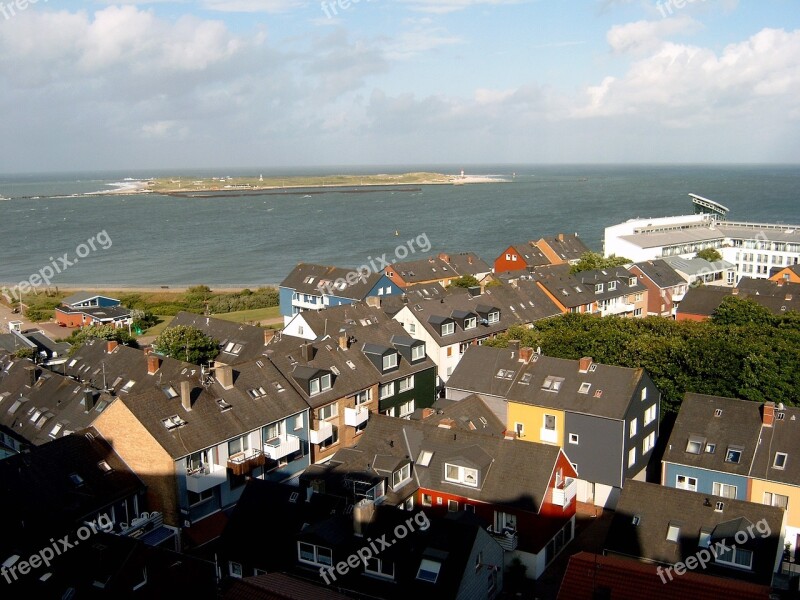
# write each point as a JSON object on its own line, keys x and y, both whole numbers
{"x": 252, "y": 240}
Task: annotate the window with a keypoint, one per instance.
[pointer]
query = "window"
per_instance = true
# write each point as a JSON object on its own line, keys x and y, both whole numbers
{"x": 733, "y": 455}
{"x": 386, "y": 390}
{"x": 550, "y": 422}
{"x": 412, "y": 328}
{"x": 725, "y": 490}
{"x": 633, "y": 426}
{"x": 776, "y": 500}
{"x": 328, "y": 412}
{"x": 673, "y": 532}
{"x": 552, "y": 384}
{"x": 417, "y": 352}
{"x": 427, "y": 500}
{"x": 238, "y": 445}
{"x": 780, "y": 460}
{"x": 272, "y": 431}
{"x": 650, "y": 415}
{"x": 406, "y": 409}
{"x": 574, "y": 438}
{"x": 390, "y": 361}
{"x": 710, "y": 448}
{"x": 736, "y": 557}
{"x": 127, "y": 387}
{"x": 317, "y": 555}
{"x": 379, "y": 568}
{"x": 462, "y": 475}
{"x": 584, "y": 389}
{"x": 298, "y": 422}
{"x": 429, "y": 570}
{"x": 235, "y": 569}
{"x": 631, "y": 457}
{"x": 644, "y": 394}
{"x": 695, "y": 444}
{"x": 520, "y": 429}
{"x": 363, "y": 397}
{"x": 406, "y": 384}
{"x": 452, "y": 505}
{"x": 319, "y": 385}
{"x": 682, "y": 482}
{"x": 470, "y": 323}
{"x": 401, "y": 475}
{"x": 649, "y": 442}
{"x": 448, "y": 328}
{"x": 195, "y": 498}
{"x": 494, "y": 317}
{"x": 424, "y": 458}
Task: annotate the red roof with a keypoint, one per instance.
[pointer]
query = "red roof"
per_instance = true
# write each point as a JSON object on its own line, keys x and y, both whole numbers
{"x": 628, "y": 579}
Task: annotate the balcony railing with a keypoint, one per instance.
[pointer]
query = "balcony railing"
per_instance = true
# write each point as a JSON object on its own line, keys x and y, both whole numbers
{"x": 563, "y": 496}
{"x": 323, "y": 431}
{"x": 205, "y": 477}
{"x": 278, "y": 447}
{"x": 618, "y": 308}
{"x": 142, "y": 524}
{"x": 549, "y": 436}
{"x": 242, "y": 463}
{"x": 356, "y": 416}
{"x": 508, "y": 540}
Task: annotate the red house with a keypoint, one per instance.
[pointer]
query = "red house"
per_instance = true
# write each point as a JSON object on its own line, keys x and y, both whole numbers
{"x": 523, "y": 492}
{"x": 559, "y": 250}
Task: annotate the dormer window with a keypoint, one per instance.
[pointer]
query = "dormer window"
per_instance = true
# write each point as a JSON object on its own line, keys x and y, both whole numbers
{"x": 319, "y": 385}
{"x": 448, "y": 328}
{"x": 461, "y": 475}
{"x": 418, "y": 352}
{"x": 633, "y": 281}
{"x": 494, "y": 317}
{"x": 470, "y": 323}
{"x": 612, "y": 285}
{"x": 390, "y": 361}
{"x": 401, "y": 475}
{"x": 598, "y": 288}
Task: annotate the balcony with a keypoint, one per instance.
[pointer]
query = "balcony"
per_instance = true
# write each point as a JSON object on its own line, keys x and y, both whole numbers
{"x": 205, "y": 477}
{"x": 508, "y": 540}
{"x": 617, "y": 308}
{"x": 356, "y": 416}
{"x": 548, "y": 436}
{"x": 278, "y": 447}
{"x": 323, "y": 432}
{"x": 242, "y": 463}
{"x": 313, "y": 303}
{"x": 563, "y": 496}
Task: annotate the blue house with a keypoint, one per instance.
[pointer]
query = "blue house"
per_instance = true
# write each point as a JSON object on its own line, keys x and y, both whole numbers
{"x": 89, "y": 300}
{"x": 712, "y": 446}
{"x": 314, "y": 287}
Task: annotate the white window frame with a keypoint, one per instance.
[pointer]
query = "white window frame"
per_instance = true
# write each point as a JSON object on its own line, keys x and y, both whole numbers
{"x": 405, "y": 384}
{"x": 418, "y": 352}
{"x": 687, "y": 485}
{"x": 648, "y": 442}
{"x": 448, "y": 328}
{"x": 574, "y": 438}
{"x": 650, "y": 415}
{"x": 632, "y": 457}
{"x": 400, "y": 476}
{"x": 470, "y": 323}
{"x": 718, "y": 488}
{"x": 390, "y": 361}
{"x": 633, "y": 427}
{"x": 386, "y": 390}
{"x": 775, "y": 461}
{"x": 406, "y": 409}
{"x": 493, "y": 317}
{"x": 316, "y": 561}
{"x": 461, "y": 477}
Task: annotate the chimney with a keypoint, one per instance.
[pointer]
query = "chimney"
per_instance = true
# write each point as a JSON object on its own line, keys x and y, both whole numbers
{"x": 153, "y": 364}
{"x": 469, "y": 259}
{"x": 525, "y": 354}
{"x": 427, "y": 413}
{"x": 513, "y": 345}
{"x": 111, "y": 346}
{"x": 225, "y": 376}
{"x": 735, "y": 291}
{"x": 186, "y": 395}
{"x": 768, "y": 414}
{"x": 32, "y": 374}
{"x": 363, "y": 514}
{"x": 344, "y": 341}
{"x": 788, "y": 297}
{"x": 268, "y": 335}
{"x": 444, "y": 257}
{"x": 88, "y": 400}
{"x": 307, "y": 351}
{"x": 374, "y": 302}
{"x": 447, "y": 423}
{"x": 560, "y": 237}
{"x": 584, "y": 364}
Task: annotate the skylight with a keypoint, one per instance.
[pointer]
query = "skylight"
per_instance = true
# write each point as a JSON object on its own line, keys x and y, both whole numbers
{"x": 584, "y": 389}
{"x": 424, "y": 458}
{"x": 173, "y": 422}
{"x": 127, "y": 387}
{"x": 734, "y": 455}
{"x": 429, "y": 570}
{"x": 223, "y": 405}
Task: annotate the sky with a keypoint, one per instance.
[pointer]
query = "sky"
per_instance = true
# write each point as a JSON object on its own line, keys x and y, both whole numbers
{"x": 178, "y": 84}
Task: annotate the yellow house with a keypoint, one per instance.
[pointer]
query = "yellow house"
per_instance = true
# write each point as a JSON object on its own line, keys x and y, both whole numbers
{"x": 782, "y": 495}
{"x": 536, "y": 423}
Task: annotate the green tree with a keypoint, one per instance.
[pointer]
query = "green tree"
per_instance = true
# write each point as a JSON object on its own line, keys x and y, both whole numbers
{"x": 186, "y": 343}
{"x": 590, "y": 261}
{"x": 709, "y": 254}
{"x": 741, "y": 311}
{"x": 103, "y": 332}
{"x": 24, "y": 352}
{"x": 465, "y": 281}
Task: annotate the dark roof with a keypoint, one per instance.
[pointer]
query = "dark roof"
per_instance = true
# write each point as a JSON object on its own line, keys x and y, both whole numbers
{"x": 592, "y": 576}
{"x": 83, "y": 297}
{"x": 391, "y": 305}
{"x": 703, "y": 300}
{"x": 485, "y": 370}
{"x": 335, "y": 320}
{"x": 278, "y": 586}
{"x": 53, "y": 406}
{"x": 307, "y": 279}
{"x": 443, "y": 266}
{"x": 209, "y": 423}
{"x": 59, "y": 485}
{"x": 238, "y": 342}
{"x": 646, "y": 511}
{"x": 660, "y": 273}
{"x": 469, "y": 414}
{"x": 44, "y": 343}
{"x": 101, "y": 313}
{"x": 579, "y": 289}
{"x": 784, "y": 437}
{"x": 738, "y": 426}
{"x": 568, "y": 246}
{"x": 512, "y": 473}
{"x": 533, "y": 256}
{"x": 516, "y": 306}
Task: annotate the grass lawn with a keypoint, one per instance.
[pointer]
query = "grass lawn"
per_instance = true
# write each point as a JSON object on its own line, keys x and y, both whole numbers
{"x": 156, "y": 329}
{"x": 259, "y": 315}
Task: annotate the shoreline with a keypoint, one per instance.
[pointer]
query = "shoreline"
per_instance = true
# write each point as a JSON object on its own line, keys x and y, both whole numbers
{"x": 149, "y": 289}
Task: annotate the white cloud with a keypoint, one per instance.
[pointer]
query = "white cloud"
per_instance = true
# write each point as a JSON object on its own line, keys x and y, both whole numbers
{"x": 645, "y": 36}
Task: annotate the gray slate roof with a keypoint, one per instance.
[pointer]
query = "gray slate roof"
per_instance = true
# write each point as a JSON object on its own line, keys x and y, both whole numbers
{"x": 443, "y": 266}
{"x": 579, "y": 289}
{"x": 567, "y": 245}
{"x": 305, "y": 278}
{"x": 469, "y": 414}
{"x": 229, "y": 335}
{"x": 661, "y": 273}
